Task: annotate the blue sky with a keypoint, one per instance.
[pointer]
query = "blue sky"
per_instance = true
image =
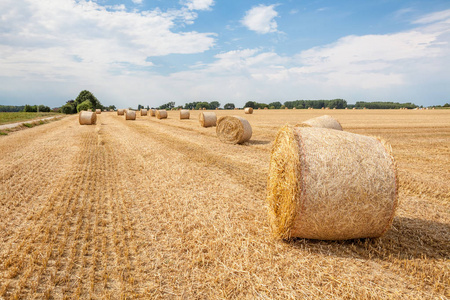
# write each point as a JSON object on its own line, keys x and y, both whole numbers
{"x": 151, "y": 52}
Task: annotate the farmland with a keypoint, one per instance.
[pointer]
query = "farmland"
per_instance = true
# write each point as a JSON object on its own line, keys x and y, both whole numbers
{"x": 162, "y": 209}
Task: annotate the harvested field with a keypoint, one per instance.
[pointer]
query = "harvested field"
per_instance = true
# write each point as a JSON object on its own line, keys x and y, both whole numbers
{"x": 151, "y": 209}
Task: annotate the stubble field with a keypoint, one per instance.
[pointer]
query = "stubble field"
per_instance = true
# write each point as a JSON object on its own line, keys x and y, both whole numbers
{"x": 162, "y": 209}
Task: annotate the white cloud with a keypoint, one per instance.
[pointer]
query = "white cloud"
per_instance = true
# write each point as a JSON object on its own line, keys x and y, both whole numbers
{"x": 261, "y": 19}
{"x": 434, "y": 17}
{"x": 198, "y": 4}
{"x": 137, "y": 1}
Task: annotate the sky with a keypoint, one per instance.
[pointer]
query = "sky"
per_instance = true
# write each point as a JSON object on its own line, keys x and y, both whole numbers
{"x": 150, "y": 52}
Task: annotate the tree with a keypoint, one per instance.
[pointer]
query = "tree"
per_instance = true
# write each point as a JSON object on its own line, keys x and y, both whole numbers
{"x": 67, "y": 109}
{"x": 168, "y": 105}
{"x": 275, "y": 105}
{"x": 190, "y": 105}
{"x": 229, "y": 106}
{"x": 86, "y": 95}
{"x": 84, "y": 106}
{"x": 43, "y": 108}
{"x": 251, "y": 104}
{"x": 201, "y": 105}
{"x": 140, "y": 107}
{"x": 214, "y": 105}
{"x": 29, "y": 108}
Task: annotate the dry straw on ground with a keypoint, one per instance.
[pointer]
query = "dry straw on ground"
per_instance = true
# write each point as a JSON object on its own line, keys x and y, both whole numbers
{"x": 98, "y": 111}
{"x": 143, "y": 112}
{"x": 330, "y": 185}
{"x": 207, "y": 119}
{"x": 120, "y": 112}
{"x": 324, "y": 121}
{"x": 87, "y": 118}
{"x": 161, "y": 114}
{"x": 248, "y": 110}
{"x": 233, "y": 130}
{"x": 184, "y": 114}
{"x": 130, "y": 115}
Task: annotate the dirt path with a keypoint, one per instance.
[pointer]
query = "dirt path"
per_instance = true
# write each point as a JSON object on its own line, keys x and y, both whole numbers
{"x": 147, "y": 209}
{"x": 17, "y": 124}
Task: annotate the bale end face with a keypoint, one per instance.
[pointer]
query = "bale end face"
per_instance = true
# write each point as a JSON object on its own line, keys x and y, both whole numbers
{"x": 233, "y": 130}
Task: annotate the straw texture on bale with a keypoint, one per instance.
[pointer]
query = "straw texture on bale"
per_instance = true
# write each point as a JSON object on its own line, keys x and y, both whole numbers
{"x": 330, "y": 185}
{"x": 207, "y": 119}
{"x": 184, "y": 114}
{"x": 120, "y": 112}
{"x": 248, "y": 110}
{"x": 98, "y": 111}
{"x": 153, "y": 112}
{"x": 324, "y": 121}
{"x": 161, "y": 114}
{"x": 143, "y": 112}
{"x": 130, "y": 115}
{"x": 87, "y": 118}
{"x": 233, "y": 130}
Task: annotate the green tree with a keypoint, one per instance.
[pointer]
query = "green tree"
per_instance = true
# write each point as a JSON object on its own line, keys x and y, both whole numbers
{"x": 251, "y": 104}
{"x": 229, "y": 106}
{"x": 168, "y": 105}
{"x": 275, "y": 105}
{"x": 85, "y": 105}
{"x": 86, "y": 95}
{"x": 214, "y": 105}
{"x": 67, "y": 109}
{"x": 201, "y": 105}
{"x": 30, "y": 108}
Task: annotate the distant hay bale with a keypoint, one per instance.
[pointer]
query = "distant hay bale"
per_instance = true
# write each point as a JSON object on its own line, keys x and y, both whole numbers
{"x": 152, "y": 112}
{"x": 294, "y": 108}
{"x": 354, "y": 108}
{"x": 266, "y": 108}
{"x": 87, "y": 118}
{"x": 207, "y": 119}
{"x": 324, "y": 121}
{"x": 98, "y": 111}
{"x": 161, "y": 114}
{"x": 330, "y": 185}
{"x": 248, "y": 110}
{"x": 130, "y": 115}
{"x": 120, "y": 112}
{"x": 143, "y": 112}
{"x": 233, "y": 130}
{"x": 184, "y": 114}
{"x": 204, "y": 108}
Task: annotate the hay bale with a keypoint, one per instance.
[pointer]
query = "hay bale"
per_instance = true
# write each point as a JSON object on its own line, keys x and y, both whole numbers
{"x": 87, "y": 118}
{"x": 330, "y": 185}
{"x": 143, "y": 112}
{"x": 248, "y": 110}
{"x": 324, "y": 121}
{"x": 184, "y": 114}
{"x": 153, "y": 112}
{"x": 233, "y": 130}
{"x": 120, "y": 112}
{"x": 207, "y": 119}
{"x": 130, "y": 115}
{"x": 161, "y": 114}
{"x": 98, "y": 111}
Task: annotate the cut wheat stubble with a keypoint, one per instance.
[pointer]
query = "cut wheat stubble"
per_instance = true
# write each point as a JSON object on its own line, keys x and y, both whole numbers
{"x": 330, "y": 185}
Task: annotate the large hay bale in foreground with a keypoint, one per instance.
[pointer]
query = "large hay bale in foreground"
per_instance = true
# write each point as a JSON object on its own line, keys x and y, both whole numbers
{"x": 233, "y": 130}
{"x": 143, "y": 112}
{"x": 207, "y": 119}
{"x": 184, "y": 114}
{"x": 98, "y": 111}
{"x": 248, "y": 110}
{"x": 324, "y": 121}
{"x": 120, "y": 112}
{"x": 87, "y": 118}
{"x": 130, "y": 115}
{"x": 330, "y": 185}
{"x": 161, "y": 114}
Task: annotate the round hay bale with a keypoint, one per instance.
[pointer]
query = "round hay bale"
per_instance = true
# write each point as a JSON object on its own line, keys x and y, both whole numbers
{"x": 130, "y": 115}
{"x": 266, "y": 108}
{"x": 161, "y": 114}
{"x": 233, "y": 130}
{"x": 184, "y": 114}
{"x": 120, "y": 112}
{"x": 354, "y": 108}
{"x": 248, "y": 110}
{"x": 207, "y": 119}
{"x": 98, "y": 111}
{"x": 143, "y": 112}
{"x": 324, "y": 121}
{"x": 87, "y": 118}
{"x": 330, "y": 185}
{"x": 153, "y": 112}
